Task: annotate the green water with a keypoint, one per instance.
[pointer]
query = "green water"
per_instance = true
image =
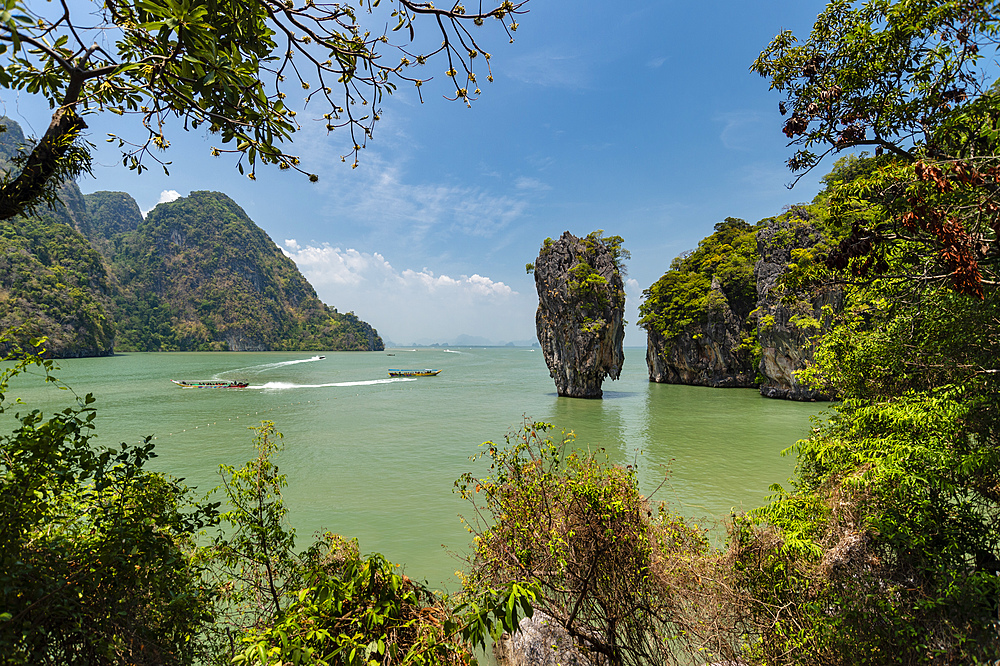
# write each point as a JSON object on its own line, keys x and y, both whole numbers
{"x": 375, "y": 458}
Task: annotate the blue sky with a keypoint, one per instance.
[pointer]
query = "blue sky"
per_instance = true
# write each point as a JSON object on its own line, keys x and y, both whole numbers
{"x": 641, "y": 119}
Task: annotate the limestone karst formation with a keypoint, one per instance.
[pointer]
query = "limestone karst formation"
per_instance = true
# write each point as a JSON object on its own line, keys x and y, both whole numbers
{"x": 580, "y": 316}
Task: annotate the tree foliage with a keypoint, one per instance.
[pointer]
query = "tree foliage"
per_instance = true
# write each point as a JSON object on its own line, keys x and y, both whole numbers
{"x": 224, "y": 66}
{"x": 683, "y": 296}
{"x": 624, "y": 579}
{"x": 910, "y": 78}
{"x": 886, "y": 547}
{"x": 96, "y": 552}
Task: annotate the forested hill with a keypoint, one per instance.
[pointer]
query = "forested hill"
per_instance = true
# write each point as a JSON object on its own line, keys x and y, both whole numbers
{"x": 53, "y": 283}
{"x": 95, "y": 277}
{"x": 198, "y": 274}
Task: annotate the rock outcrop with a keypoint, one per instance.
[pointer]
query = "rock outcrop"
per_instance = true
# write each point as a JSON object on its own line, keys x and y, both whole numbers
{"x": 706, "y": 354}
{"x": 786, "y": 326}
{"x": 541, "y": 641}
{"x": 581, "y": 307}
{"x": 725, "y": 303}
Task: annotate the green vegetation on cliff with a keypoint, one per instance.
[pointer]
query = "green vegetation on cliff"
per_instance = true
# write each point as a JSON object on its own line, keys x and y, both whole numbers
{"x": 93, "y": 276}
{"x": 684, "y": 295}
{"x": 198, "y": 274}
{"x": 52, "y": 282}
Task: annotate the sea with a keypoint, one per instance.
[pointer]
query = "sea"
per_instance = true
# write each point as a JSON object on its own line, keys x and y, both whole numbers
{"x": 375, "y": 458}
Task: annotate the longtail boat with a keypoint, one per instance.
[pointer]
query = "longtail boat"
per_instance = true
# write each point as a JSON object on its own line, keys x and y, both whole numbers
{"x": 427, "y": 372}
{"x": 210, "y": 384}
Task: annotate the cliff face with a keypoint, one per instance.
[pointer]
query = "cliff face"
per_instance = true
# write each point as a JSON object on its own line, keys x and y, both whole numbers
{"x": 109, "y": 215}
{"x": 787, "y": 325}
{"x": 580, "y": 316}
{"x": 704, "y": 354}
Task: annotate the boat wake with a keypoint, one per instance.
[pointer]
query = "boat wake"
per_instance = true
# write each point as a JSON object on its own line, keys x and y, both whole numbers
{"x": 451, "y": 351}
{"x": 257, "y": 369}
{"x": 280, "y": 386}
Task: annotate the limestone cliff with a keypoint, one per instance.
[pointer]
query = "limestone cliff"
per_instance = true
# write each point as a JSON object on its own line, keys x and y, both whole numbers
{"x": 787, "y": 323}
{"x": 709, "y": 353}
{"x": 697, "y": 315}
{"x": 580, "y": 316}
{"x": 541, "y": 641}
{"x": 725, "y": 303}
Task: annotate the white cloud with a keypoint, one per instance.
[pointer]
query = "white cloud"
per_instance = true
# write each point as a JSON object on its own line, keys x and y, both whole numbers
{"x": 474, "y": 285}
{"x": 656, "y": 63}
{"x": 166, "y": 196}
{"x": 552, "y": 67}
{"x": 531, "y": 184}
{"x": 407, "y": 305}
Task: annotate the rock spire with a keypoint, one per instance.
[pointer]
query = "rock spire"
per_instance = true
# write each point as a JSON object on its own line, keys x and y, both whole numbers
{"x": 581, "y": 307}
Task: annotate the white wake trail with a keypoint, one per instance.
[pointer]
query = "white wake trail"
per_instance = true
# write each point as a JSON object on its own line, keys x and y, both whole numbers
{"x": 280, "y": 386}
{"x": 257, "y": 369}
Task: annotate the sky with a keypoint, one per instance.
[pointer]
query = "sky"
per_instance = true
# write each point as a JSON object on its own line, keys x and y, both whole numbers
{"x": 641, "y": 119}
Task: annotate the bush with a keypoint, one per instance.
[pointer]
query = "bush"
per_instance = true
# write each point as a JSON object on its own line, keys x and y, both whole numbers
{"x": 96, "y": 553}
{"x": 630, "y": 584}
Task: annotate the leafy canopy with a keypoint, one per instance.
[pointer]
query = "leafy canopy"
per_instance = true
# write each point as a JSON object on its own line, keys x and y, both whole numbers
{"x": 683, "y": 296}
{"x": 96, "y": 552}
{"x": 227, "y": 66}
{"x": 910, "y": 78}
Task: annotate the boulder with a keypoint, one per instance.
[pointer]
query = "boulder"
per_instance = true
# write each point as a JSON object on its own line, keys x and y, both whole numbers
{"x": 541, "y": 641}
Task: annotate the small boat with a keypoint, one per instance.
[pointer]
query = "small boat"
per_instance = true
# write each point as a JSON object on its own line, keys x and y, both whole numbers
{"x": 320, "y": 358}
{"x": 210, "y": 384}
{"x": 427, "y": 372}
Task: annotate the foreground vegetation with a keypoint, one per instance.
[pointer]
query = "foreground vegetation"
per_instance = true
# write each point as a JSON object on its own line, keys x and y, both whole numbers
{"x": 883, "y": 549}
{"x": 105, "y": 562}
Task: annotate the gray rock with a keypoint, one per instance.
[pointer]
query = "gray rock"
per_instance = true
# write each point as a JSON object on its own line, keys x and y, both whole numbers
{"x": 541, "y": 641}
{"x": 786, "y": 325}
{"x": 580, "y": 323}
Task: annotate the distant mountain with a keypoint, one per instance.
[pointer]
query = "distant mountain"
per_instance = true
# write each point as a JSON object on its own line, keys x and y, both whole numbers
{"x": 197, "y": 274}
